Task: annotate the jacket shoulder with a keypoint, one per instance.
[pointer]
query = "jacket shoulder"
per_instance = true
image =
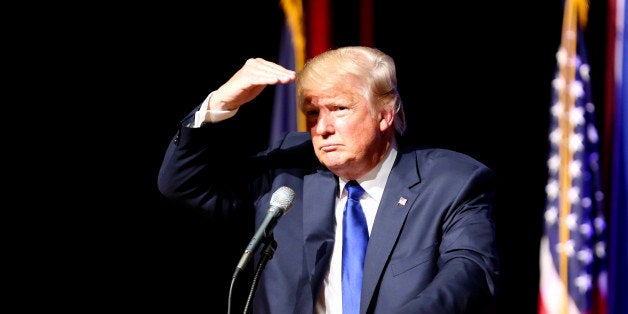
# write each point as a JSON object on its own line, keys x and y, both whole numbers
{"x": 442, "y": 160}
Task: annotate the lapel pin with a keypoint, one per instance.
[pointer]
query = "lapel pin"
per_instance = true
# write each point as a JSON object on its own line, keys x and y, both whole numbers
{"x": 402, "y": 201}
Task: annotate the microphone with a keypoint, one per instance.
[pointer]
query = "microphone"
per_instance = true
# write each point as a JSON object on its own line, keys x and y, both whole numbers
{"x": 280, "y": 203}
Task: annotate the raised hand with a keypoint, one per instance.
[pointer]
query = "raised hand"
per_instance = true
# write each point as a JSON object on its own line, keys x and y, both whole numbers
{"x": 248, "y": 83}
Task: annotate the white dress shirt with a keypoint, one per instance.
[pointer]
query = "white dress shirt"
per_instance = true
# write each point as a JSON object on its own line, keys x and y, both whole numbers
{"x": 330, "y": 297}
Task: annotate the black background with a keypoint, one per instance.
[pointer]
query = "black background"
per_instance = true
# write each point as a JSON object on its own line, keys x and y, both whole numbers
{"x": 474, "y": 77}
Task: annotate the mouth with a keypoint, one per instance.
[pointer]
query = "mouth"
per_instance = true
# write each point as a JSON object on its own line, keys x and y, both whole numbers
{"x": 328, "y": 147}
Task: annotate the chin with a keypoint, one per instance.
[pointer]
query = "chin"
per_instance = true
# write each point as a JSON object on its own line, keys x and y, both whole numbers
{"x": 333, "y": 164}
{"x": 337, "y": 167}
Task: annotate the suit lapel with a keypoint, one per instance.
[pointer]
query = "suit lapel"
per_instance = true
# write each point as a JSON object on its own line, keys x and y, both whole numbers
{"x": 399, "y": 194}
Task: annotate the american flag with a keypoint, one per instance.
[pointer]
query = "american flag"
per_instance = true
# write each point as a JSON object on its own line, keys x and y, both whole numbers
{"x": 573, "y": 272}
{"x": 286, "y": 116}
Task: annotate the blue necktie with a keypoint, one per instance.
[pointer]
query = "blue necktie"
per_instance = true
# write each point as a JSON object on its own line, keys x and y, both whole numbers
{"x": 355, "y": 237}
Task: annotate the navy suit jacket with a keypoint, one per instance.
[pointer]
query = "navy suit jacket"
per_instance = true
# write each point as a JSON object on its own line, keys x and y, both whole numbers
{"x": 431, "y": 248}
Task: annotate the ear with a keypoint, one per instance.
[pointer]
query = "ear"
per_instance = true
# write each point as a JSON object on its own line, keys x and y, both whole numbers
{"x": 386, "y": 118}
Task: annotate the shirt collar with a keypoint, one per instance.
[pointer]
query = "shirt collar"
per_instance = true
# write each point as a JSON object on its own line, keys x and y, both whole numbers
{"x": 375, "y": 180}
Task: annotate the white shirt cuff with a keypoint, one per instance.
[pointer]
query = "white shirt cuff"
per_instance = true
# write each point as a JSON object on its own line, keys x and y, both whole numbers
{"x": 210, "y": 116}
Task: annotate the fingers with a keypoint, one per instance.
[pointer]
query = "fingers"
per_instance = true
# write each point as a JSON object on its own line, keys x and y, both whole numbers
{"x": 265, "y": 72}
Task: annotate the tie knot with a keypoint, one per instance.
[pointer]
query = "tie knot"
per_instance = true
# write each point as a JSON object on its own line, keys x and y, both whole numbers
{"x": 355, "y": 190}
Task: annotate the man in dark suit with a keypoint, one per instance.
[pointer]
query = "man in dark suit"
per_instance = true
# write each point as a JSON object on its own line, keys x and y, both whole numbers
{"x": 431, "y": 241}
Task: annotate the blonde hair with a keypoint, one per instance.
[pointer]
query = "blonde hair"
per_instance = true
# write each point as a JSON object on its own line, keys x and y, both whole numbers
{"x": 369, "y": 65}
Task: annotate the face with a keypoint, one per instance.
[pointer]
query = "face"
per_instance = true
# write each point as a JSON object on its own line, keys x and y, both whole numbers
{"x": 347, "y": 139}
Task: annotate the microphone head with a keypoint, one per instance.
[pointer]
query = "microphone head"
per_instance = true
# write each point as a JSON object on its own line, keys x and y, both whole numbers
{"x": 283, "y": 198}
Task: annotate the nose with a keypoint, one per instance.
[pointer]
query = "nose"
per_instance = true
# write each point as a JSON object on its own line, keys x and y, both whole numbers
{"x": 324, "y": 124}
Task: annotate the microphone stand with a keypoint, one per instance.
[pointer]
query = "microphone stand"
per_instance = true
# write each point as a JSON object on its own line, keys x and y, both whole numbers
{"x": 267, "y": 254}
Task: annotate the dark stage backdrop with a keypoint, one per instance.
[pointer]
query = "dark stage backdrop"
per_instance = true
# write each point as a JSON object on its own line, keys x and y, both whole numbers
{"x": 474, "y": 77}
